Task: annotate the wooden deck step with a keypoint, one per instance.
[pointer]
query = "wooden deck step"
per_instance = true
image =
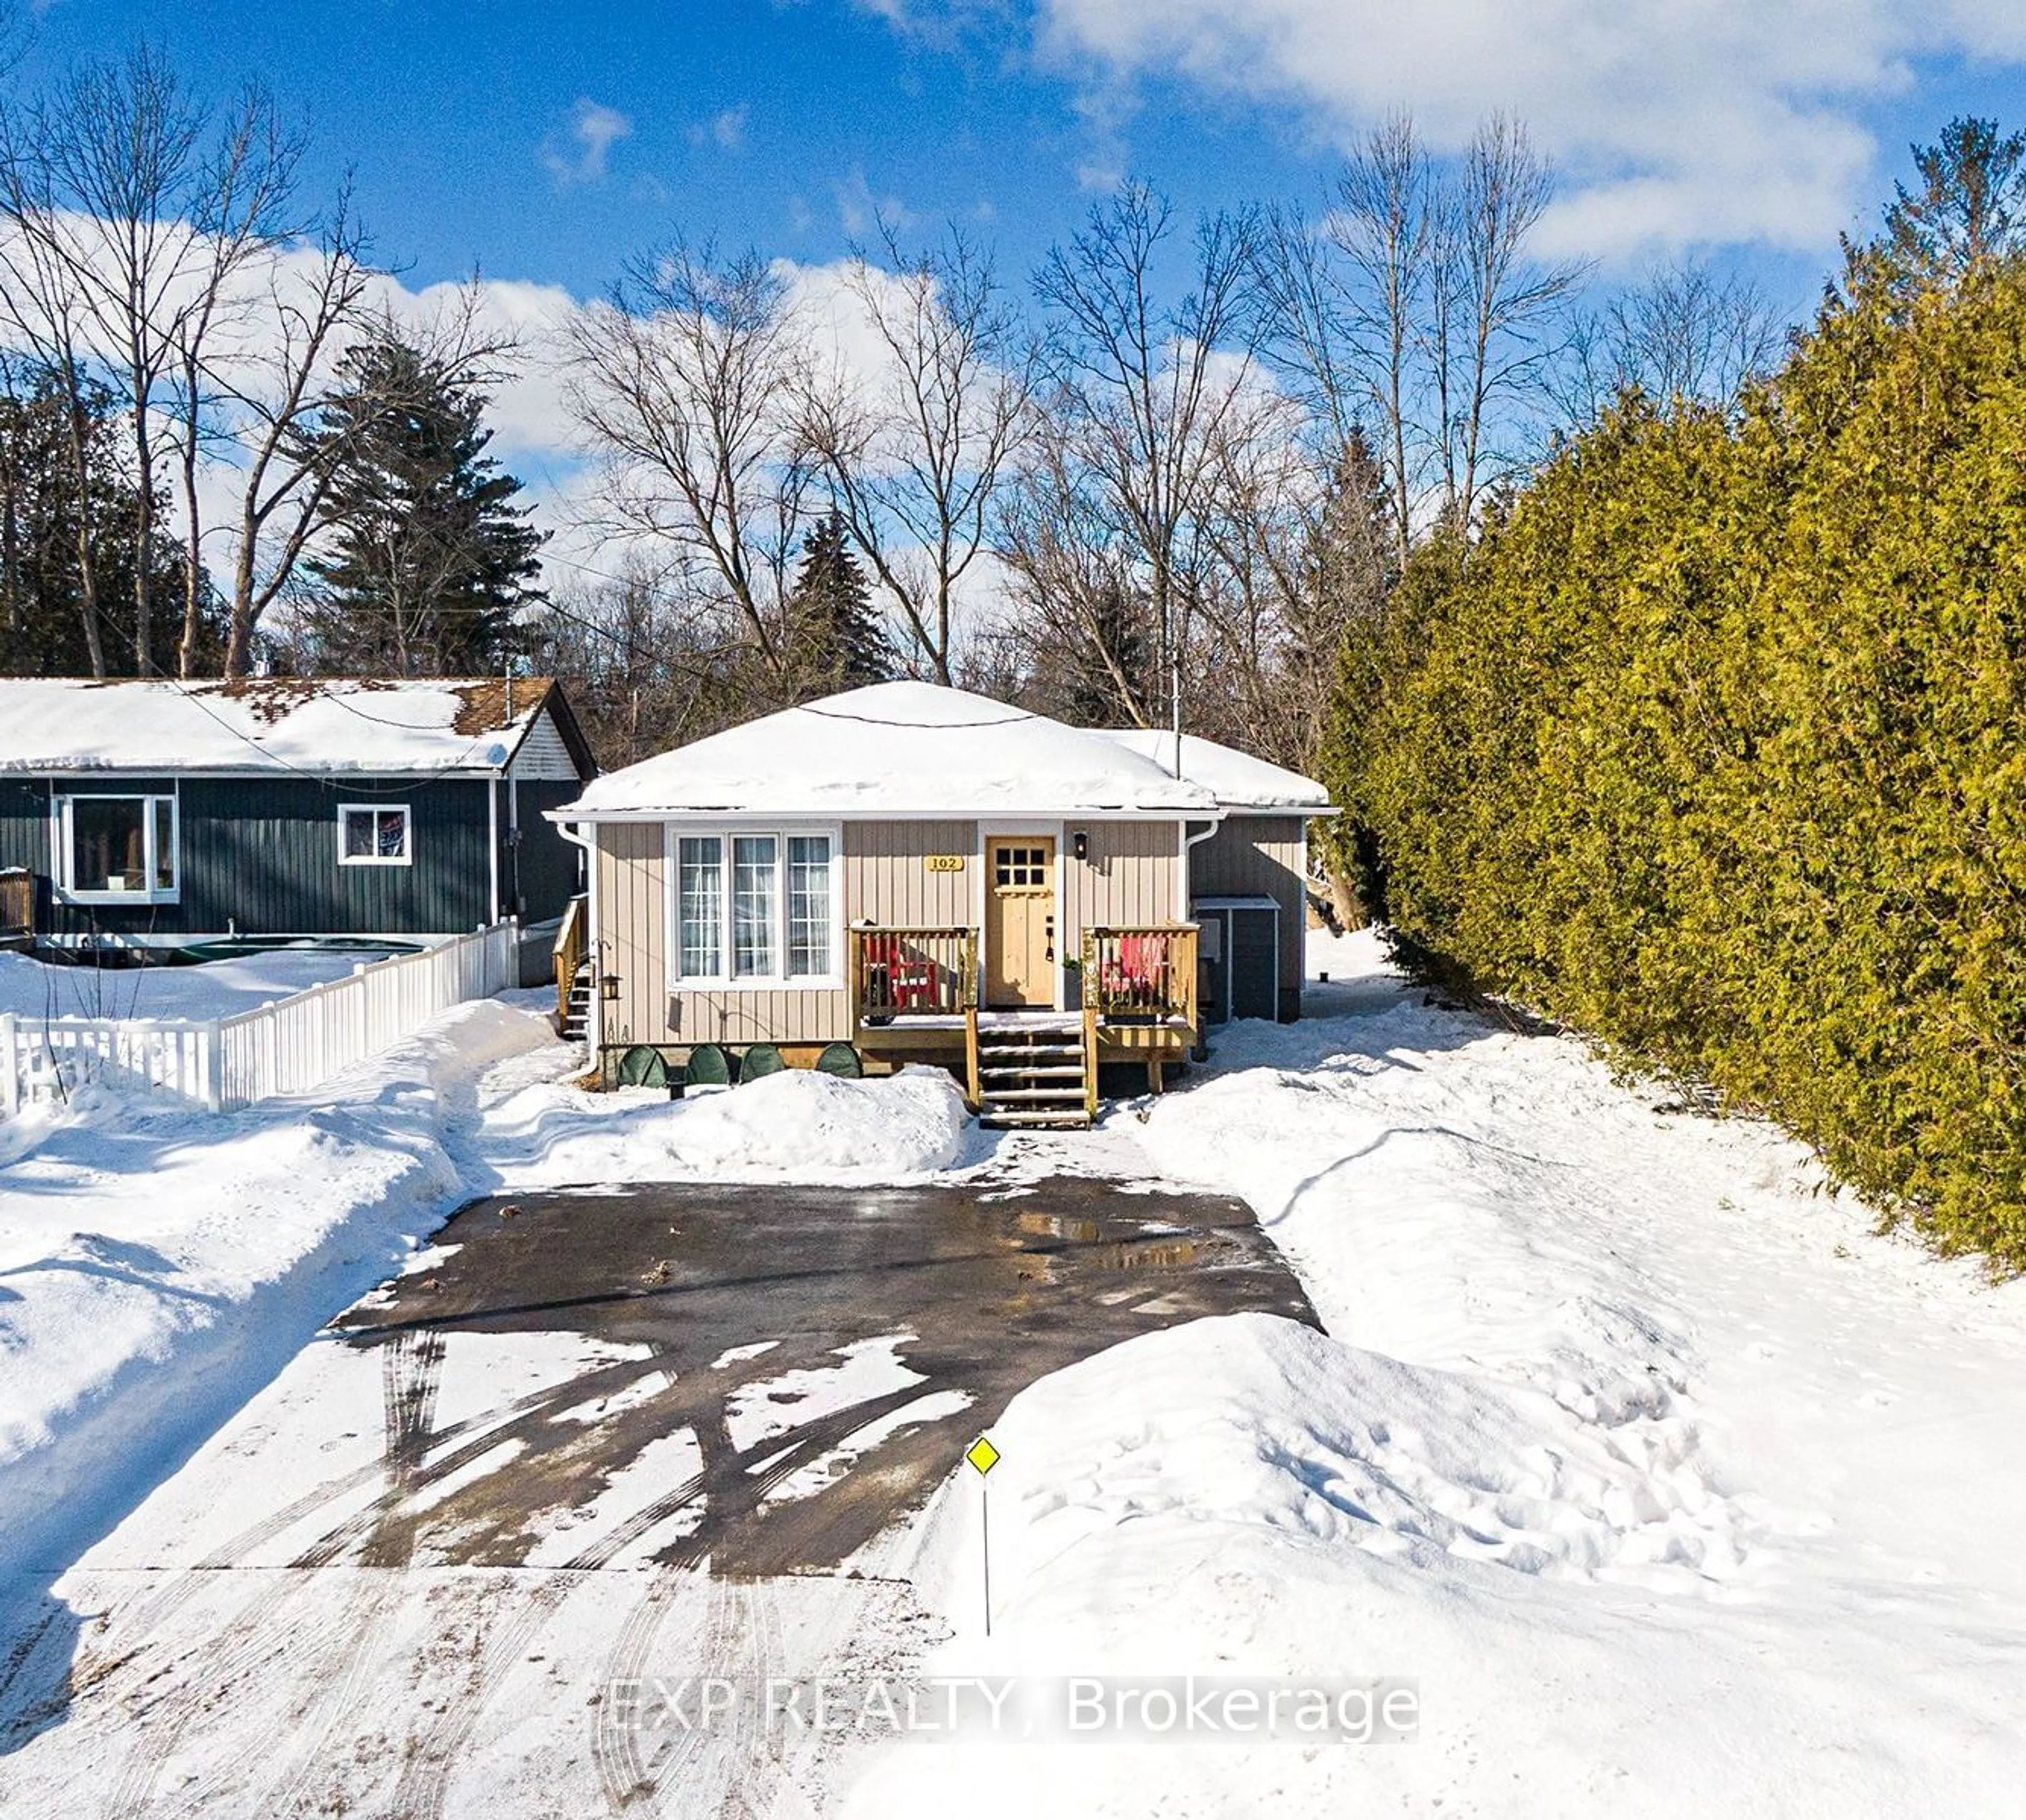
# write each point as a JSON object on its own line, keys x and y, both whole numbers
{"x": 576, "y": 1012}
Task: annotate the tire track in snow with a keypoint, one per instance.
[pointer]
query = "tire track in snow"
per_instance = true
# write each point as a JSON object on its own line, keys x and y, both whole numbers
{"x": 410, "y": 1370}
{"x": 625, "y": 1778}
{"x": 148, "y": 1614}
{"x": 432, "y": 1755}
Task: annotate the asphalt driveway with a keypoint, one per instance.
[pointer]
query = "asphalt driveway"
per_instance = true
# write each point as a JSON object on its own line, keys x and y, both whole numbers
{"x": 831, "y": 1352}
{"x": 591, "y": 1438}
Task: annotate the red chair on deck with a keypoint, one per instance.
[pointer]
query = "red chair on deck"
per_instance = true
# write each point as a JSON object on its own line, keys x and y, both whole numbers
{"x": 897, "y": 980}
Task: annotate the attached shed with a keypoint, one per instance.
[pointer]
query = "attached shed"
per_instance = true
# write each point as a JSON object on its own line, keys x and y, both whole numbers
{"x": 158, "y": 813}
{"x": 1256, "y": 858}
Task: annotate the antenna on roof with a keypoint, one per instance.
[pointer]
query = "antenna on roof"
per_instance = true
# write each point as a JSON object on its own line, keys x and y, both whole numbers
{"x": 1175, "y": 701}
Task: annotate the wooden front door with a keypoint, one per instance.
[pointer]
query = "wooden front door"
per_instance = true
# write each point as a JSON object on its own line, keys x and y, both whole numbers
{"x": 1019, "y": 920}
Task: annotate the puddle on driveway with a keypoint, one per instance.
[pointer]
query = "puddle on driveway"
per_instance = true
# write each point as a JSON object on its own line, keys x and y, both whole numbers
{"x": 888, "y": 1326}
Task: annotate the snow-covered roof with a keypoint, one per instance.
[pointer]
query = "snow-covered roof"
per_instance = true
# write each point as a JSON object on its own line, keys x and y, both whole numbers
{"x": 278, "y": 723}
{"x": 896, "y": 749}
{"x": 1237, "y": 780}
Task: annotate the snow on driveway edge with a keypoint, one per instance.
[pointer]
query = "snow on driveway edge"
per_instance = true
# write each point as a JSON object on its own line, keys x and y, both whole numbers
{"x": 237, "y": 1237}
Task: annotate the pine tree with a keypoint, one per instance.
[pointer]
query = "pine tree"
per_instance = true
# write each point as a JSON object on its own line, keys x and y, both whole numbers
{"x": 1115, "y": 642}
{"x": 835, "y": 625}
{"x": 42, "y": 598}
{"x": 428, "y": 558}
{"x": 1971, "y": 205}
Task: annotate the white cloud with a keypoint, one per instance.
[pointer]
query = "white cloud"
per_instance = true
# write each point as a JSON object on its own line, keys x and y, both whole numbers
{"x": 860, "y": 211}
{"x": 726, "y": 129}
{"x": 1718, "y": 121}
{"x": 594, "y": 129}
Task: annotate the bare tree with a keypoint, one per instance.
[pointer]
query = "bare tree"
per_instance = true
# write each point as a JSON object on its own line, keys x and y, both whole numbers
{"x": 272, "y": 395}
{"x": 1506, "y": 301}
{"x": 142, "y": 207}
{"x": 242, "y": 201}
{"x": 1387, "y": 224}
{"x": 688, "y": 381}
{"x": 650, "y": 662}
{"x": 914, "y": 458}
{"x": 1416, "y": 309}
{"x": 1080, "y": 628}
{"x": 1139, "y": 389}
{"x": 1683, "y": 334}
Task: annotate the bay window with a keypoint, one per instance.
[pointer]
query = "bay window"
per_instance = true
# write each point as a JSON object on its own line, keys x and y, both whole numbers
{"x": 118, "y": 847}
{"x": 754, "y": 908}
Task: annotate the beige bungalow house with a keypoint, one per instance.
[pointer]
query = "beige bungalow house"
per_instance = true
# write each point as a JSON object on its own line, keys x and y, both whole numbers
{"x": 930, "y": 876}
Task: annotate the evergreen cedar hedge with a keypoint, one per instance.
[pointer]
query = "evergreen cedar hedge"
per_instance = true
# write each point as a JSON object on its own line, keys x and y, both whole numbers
{"x": 1717, "y": 749}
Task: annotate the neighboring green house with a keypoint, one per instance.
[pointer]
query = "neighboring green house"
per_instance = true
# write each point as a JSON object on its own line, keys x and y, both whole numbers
{"x": 156, "y": 814}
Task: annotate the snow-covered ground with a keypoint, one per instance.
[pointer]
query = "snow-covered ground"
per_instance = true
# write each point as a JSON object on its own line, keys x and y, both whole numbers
{"x": 1670, "y": 1485}
{"x": 217, "y": 989}
{"x": 1673, "y": 1487}
{"x": 157, "y": 1265}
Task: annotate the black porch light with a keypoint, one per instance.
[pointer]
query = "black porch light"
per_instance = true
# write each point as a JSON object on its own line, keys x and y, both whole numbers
{"x": 608, "y": 988}
{"x": 1080, "y": 843}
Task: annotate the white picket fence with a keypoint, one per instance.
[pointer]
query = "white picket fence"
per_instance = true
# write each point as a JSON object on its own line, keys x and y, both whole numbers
{"x": 287, "y": 1047}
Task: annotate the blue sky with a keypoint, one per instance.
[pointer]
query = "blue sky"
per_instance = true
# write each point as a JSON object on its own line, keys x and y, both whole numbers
{"x": 547, "y": 143}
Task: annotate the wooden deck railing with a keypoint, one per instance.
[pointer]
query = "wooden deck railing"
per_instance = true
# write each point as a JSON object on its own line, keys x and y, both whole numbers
{"x": 568, "y": 954}
{"x": 1141, "y": 975}
{"x": 897, "y": 972}
{"x": 17, "y": 901}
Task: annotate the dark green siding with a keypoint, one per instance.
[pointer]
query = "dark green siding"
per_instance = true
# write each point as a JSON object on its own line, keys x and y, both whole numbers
{"x": 264, "y": 853}
{"x": 24, "y": 824}
{"x": 260, "y": 856}
{"x": 546, "y": 864}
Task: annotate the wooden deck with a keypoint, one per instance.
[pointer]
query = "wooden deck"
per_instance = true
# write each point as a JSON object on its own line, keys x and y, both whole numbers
{"x": 914, "y": 999}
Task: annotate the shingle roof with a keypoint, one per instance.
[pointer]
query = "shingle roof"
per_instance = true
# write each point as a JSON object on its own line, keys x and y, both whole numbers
{"x": 69, "y": 724}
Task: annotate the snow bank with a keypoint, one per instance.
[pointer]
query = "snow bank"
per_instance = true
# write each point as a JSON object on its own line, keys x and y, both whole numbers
{"x": 798, "y": 1125}
{"x": 1245, "y": 1498}
{"x": 1676, "y": 1486}
{"x": 156, "y": 1266}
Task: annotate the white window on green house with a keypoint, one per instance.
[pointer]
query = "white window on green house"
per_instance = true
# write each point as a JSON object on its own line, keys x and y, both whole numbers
{"x": 755, "y": 907}
{"x": 374, "y": 834}
{"x": 111, "y": 848}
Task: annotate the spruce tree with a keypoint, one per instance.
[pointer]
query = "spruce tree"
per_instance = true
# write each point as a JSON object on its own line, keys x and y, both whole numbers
{"x": 1115, "y": 644}
{"x": 835, "y": 625}
{"x": 427, "y": 558}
